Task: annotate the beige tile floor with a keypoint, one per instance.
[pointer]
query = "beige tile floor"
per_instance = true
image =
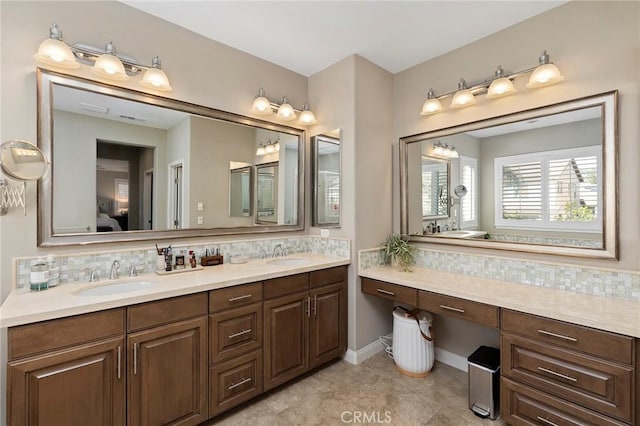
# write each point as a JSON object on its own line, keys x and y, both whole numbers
{"x": 372, "y": 392}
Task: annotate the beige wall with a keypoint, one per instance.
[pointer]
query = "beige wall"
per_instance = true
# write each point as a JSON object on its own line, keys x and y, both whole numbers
{"x": 596, "y": 46}
{"x": 354, "y": 95}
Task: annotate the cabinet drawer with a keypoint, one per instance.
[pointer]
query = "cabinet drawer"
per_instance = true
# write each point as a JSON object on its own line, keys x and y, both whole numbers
{"x": 595, "y": 342}
{"x": 234, "y": 382}
{"x": 233, "y": 297}
{"x": 234, "y": 332}
{"x": 390, "y": 291}
{"x": 45, "y": 336}
{"x": 147, "y": 315}
{"x": 596, "y": 384}
{"x": 459, "y": 308}
{"x": 286, "y": 285}
{"x": 327, "y": 276}
{"x": 522, "y": 405}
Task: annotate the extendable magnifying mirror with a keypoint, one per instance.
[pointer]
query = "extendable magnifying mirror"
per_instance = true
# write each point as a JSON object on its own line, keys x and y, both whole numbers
{"x": 23, "y": 161}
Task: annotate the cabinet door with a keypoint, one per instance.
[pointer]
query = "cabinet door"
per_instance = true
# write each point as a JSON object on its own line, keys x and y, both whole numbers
{"x": 286, "y": 323}
{"x": 83, "y": 385}
{"x": 167, "y": 375}
{"x": 327, "y": 329}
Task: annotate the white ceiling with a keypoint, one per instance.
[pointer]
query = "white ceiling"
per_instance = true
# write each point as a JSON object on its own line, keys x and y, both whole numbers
{"x": 308, "y": 36}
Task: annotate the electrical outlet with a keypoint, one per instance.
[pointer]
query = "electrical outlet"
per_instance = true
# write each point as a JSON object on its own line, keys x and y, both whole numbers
{"x": 324, "y": 232}
{"x": 200, "y": 220}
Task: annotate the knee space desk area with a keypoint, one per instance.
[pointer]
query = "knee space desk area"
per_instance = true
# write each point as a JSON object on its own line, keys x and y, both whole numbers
{"x": 566, "y": 358}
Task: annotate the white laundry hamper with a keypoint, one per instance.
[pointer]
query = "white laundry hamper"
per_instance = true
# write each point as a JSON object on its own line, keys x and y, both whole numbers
{"x": 412, "y": 353}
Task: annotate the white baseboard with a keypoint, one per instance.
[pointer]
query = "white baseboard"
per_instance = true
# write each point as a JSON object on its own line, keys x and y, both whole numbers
{"x": 441, "y": 355}
{"x": 356, "y": 357}
{"x": 451, "y": 359}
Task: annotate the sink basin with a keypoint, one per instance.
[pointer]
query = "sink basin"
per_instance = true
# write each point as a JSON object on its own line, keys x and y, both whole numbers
{"x": 461, "y": 234}
{"x": 289, "y": 261}
{"x": 115, "y": 288}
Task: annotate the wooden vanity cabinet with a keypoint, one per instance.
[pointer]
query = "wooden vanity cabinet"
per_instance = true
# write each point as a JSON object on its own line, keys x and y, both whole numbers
{"x": 235, "y": 346}
{"x": 305, "y": 319}
{"x": 68, "y": 371}
{"x": 555, "y": 372}
{"x": 167, "y": 368}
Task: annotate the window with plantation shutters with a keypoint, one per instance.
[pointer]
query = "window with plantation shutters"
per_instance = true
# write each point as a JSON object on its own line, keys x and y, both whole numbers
{"x": 435, "y": 195}
{"x": 550, "y": 190}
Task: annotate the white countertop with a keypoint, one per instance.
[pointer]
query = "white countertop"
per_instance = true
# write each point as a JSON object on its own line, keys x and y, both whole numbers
{"x": 605, "y": 313}
{"x": 23, "y": 307}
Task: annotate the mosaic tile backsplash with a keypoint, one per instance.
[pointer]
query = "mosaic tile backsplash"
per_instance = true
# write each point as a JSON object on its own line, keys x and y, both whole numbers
{"x": 76, "y": 268}
{"x": 624, "y": 285}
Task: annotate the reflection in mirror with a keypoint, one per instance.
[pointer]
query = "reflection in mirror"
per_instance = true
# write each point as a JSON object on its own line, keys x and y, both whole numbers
{"x": 22, "y": 160}
{"x": 154, "y": 167}
{"x": 267, "y": 193}
{"x": 326, "y": 178}
{"x": 240, "y": 175}
{"x": 543, "y": 180}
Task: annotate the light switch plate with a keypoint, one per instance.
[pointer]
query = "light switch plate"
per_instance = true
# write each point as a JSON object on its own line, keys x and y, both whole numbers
{"x": 324, "y": 232}
{"x": 200, "y": 206}
{"x": 200, "y": 220}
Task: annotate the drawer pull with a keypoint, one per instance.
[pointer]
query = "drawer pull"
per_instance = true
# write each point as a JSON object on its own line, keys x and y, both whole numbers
{"x": 240, "y": 383}
{"x": 119, "y": 361}
{"x": 547, "y": 422}
{"x": 235, "y": 299}
{"x": 135, "y": 358}
{"x": 562, "y": 376}
{"x": 451, "y": 308}
{"x": 390, "y": 293}
{"x": 559, "y": 336}
{"x": 239, "y": 333}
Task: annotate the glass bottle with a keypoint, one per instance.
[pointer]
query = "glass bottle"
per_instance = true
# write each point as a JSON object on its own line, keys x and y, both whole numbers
{"x": 39, "y": 276}
{"x": 54, "y": 271}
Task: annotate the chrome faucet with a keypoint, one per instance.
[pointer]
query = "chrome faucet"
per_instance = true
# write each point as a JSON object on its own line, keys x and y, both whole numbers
{"x": 115, "y": 270}
{"x": 133, "y": 271}
{"x": 278, "y": 249}
{"x": 263, "y": 254}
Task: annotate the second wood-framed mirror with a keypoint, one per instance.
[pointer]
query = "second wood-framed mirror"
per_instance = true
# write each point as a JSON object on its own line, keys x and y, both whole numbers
{"x": 326, "y": 179}
{"x": 541, "y": 181}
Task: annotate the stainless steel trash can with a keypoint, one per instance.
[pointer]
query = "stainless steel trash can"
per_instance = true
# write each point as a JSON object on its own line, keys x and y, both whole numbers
{"x": 484, "y": 382}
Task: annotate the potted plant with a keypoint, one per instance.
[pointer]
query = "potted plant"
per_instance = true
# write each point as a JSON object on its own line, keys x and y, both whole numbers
{"x": 397, "y": 249}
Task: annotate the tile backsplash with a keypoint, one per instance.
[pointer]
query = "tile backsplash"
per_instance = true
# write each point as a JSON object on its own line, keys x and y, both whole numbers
{"x": 77, "y": 267}
{"x": 574, "y": 278}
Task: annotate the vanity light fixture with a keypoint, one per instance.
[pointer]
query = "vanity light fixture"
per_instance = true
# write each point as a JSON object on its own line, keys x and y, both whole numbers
{"x": 54, "y": 51}
{"x": 105, "y": 63}
{"x": 109, "y": 66}
{"x": 155, "y": 78}
{"x": 463, "y": 97}
{"x": 501, "y": 84}
{"x": 306, "y": 116}
{"x": 286, "y": 111}
{"x": 444, "y": 151}
{"x": 268, "y": 147}
{"x": 262, "y": 105}
{"x": 432, "y": 105}
{"x": 545, "y": 73}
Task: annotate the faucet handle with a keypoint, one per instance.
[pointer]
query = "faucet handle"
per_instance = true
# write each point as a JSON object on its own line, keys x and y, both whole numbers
{"x": 94, "y": 276}
{"x": 133, "y": 270}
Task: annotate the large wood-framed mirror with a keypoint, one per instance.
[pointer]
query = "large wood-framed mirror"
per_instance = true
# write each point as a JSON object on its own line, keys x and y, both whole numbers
{"x": 129, "y": 166}
{"x": 542, "y": 180}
